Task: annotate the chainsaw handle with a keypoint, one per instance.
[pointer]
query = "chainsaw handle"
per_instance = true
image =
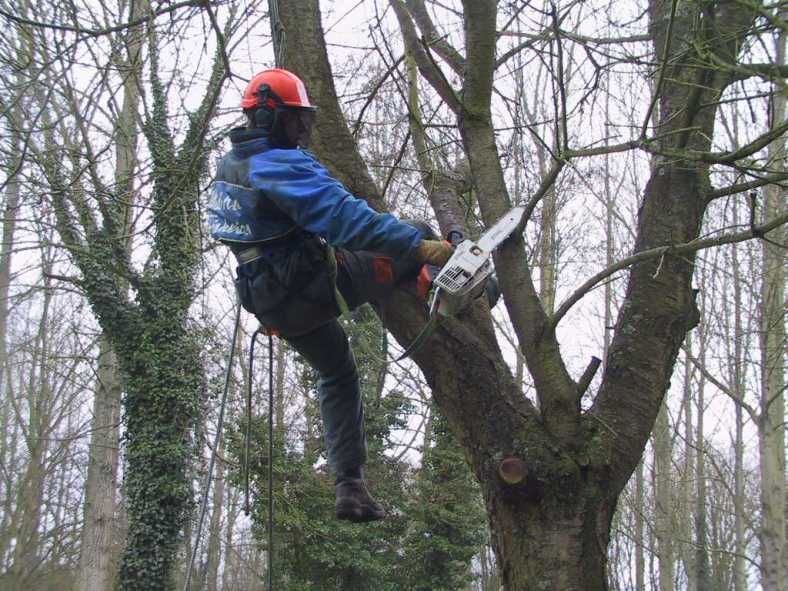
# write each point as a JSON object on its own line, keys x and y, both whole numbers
{"x": 455, "y": 237}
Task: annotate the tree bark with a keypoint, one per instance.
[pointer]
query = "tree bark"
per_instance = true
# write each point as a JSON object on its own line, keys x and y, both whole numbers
{"x": 663, "y": 499}
{"x": 702, "y": 567}
{"x": 97, "y": 558}
{"x": 6, "y": 255}
{"x": 774, "y": 569}
{"x": 687, "y": 505}
{"x": 739, "y": 388}
{"x": 214, "y": 528}
{"x": 552, "y": 529}
{"x": 27, "y": 551}
{"x": 639, "y": 545}
{"x": 97, "y": 564}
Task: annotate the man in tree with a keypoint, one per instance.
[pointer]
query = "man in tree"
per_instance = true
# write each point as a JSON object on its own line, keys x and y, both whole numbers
{"x": 281, "y": 213}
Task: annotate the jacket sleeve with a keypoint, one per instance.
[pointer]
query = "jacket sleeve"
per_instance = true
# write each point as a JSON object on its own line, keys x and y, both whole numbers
{"x": 301, "y": 187}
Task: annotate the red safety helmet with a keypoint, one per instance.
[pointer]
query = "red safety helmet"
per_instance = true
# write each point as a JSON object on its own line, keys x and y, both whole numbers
{"x": 276, "y": 88}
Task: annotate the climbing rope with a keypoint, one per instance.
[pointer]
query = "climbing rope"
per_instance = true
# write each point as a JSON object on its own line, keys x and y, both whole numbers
{"x": 278, "y": 35}
{"x": 279, "y": 40}
{"x": 270, "y": 463}
{"x": 248, "y": 438}
{"x": 216, "y": 440}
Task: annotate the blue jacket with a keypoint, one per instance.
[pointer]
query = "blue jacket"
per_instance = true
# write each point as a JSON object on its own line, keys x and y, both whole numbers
{"x": 263, "y": 193}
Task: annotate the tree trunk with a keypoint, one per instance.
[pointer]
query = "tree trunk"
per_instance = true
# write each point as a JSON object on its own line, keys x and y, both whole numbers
{"x": 27, "y": 551}
{"x": 663, "y": 499}
{"x": 702, "y": 567}
{"x": 774, "y": 569}
{"x": 739, "y": 388}
{"x": 6, "y": 254}
{"x": 230, "y": 552}
{"x": 639, "y": 545}
{"x": 215, "y": 527}
{"x": 687, "y": 506}
{"x": 97, "y": 557}
{"x": 11, "y": 165}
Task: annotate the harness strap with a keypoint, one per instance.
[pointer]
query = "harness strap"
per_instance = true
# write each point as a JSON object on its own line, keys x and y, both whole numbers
{"x": 332, "y": 262}
{"x": 249, "y": 254}
{"x": 255, "y": 252}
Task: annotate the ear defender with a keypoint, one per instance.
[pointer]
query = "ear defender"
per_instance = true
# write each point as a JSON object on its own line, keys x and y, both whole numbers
{"x": 265, "y": 115}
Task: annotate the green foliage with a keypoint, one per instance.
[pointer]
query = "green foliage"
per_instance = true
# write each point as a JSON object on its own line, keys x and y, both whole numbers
{"x": 161, "y": 407}
{"x": 312, "y": 550}
{"x": 435, "y": 523}
{"x": 447, "y": 517}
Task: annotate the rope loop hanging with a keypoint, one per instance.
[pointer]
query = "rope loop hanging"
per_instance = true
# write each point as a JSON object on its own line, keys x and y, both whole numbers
{"x": 278, "y": 34}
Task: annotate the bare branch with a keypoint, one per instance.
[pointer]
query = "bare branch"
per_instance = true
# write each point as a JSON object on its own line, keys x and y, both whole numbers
{"x": 661, "y": 251}
{"x": 431, "y": 37}
{"x": 427, "y": 67}
{"x": 167, "y": 9}
{"x": 743, "y": 187}
{"x": 722, "y": 387}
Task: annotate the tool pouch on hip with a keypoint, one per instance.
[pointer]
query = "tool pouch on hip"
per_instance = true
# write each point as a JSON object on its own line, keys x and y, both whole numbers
{"x": 290, "y": 290}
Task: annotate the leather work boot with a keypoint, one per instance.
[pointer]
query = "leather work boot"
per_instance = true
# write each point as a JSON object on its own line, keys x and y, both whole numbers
{"x": 354, "y": 502}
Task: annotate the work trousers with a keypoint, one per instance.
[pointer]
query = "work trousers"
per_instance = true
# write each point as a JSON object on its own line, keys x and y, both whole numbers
{"x": 361, "y": 277}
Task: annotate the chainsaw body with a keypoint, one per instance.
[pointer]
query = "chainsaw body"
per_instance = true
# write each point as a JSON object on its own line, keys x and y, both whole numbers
{"x": 463, "y": 277}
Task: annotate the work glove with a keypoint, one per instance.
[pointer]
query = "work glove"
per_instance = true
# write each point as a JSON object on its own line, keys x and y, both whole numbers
{"x": 433, "y": 252}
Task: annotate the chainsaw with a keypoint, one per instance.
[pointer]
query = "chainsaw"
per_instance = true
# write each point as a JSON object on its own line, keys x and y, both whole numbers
{"x": 465, "y": 275}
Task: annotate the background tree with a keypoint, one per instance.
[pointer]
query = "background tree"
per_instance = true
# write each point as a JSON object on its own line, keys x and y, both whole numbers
{"x": 552, "y": 527}
{"x": 575, "y": 87}
{"x": 148, "y": 328}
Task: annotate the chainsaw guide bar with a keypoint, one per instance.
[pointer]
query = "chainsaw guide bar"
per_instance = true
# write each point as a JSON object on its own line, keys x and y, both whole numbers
{"x": 464, "y": 276}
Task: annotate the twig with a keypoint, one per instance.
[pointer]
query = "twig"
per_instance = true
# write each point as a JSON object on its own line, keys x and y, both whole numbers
{"x": 674, "y": 249}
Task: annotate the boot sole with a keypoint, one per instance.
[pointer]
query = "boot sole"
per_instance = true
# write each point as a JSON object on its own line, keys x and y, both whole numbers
{"x": 357, "y": 513}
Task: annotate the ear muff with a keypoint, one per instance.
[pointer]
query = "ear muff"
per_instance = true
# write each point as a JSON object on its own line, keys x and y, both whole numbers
{"x": 265, "y": 115}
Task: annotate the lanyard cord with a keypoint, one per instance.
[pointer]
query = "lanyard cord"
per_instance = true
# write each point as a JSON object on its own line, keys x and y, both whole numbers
{"x": 247, "y": 440}
{"x": 278, "y": 36}
{"x": 270, "y": 462}
{"x": 214, "y": 451}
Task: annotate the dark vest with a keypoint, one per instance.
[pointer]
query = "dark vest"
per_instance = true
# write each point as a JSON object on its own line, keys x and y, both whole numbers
{"x": 290, "y": 286}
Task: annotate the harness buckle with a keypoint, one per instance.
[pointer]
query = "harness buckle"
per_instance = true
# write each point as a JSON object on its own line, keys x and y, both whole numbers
{"x": 249, "y": 254}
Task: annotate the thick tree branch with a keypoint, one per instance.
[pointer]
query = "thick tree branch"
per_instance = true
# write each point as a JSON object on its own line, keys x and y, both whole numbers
{"x": 441, "y": 189}
{"x": 432, "y": 39}
{"x": 331, "y": 139}
{"x": 427, "y": 66}
{"x": 659, "y": 306}
{"x": 774, "y": 179}
{"x": 554, "y": 386}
